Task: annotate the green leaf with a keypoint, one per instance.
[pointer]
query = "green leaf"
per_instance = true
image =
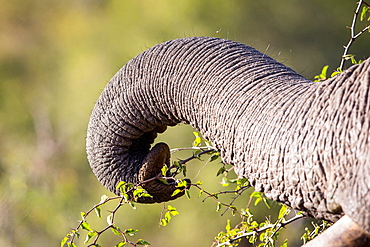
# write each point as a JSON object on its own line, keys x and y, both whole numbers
{"x": 282, "y": 211}
{"x": 121, "y": 187}
{"x": 182, "y": 183}
{"x": 197, "y": 140}
{"x": 324, "y": 71}
{"x": 243, "y": 181}
{"x": 76, "y": 233}
{"x": 260, "y": 197}
{"x": 322, "y": 76}
{"x": 64, "y": 241}
{"x": 164, "y": 181}
{"x": 146, "y": 195}
{"x": 83, "y": 215}
{"x": 176, "y": 163}
{"x": 131, "y": 232}
{"x": 225, "y": 182}
{"x": 116, "y": 230}
{"x": 208, "y": 143}
{"x": 164, "y": 170}
{"x": 200, "y": 193}
{"x": 266, "y": 202}
{"x": 184, "y": 171}
{"x": 234, "y": 210}
{"x": 170, "y": 208}
{"x": 98, "y": 211}
{"x": 142, "y": 242}
{"x": 221, "y": 171}
{"x": 187, "y": 193}
{"x": 338, "y": 71}
{"x": 167, "y": 217}
{"x": 163, "y": 222}
{"x": 174, "y": 213}
{"x": 109, "y": 219}
{"x": 86, "y": 226}
{"x": 285, "y": 244}
{"x": 363, "y": 13}
{"x": 89, "y": 236}
{"x": 262, "y": 236}
{"x": 132, "y": 204}
{"x": 125, "y": 197}
{"x": 121, "y": 244}
{"x": 214, "y": 157}
{"x": 228, "y": 226}
{"x": 138, "y": 192}
{"x": 218, "y": 207}
{"x": 199, "y": 183}
{"x": 255, "y": 194}
{"x": 103, "y": 199}
{"x": 196, "y": 154}
{"x": 350, "y": 57}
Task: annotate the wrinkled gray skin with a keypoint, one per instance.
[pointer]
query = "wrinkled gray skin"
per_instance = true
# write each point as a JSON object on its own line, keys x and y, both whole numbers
{"x": 302, "y": 143}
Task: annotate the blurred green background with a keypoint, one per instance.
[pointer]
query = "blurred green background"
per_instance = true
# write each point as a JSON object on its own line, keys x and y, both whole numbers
{"x": 57, "y": 56}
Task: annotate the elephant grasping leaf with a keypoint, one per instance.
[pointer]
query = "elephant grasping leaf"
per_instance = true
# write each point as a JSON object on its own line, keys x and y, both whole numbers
{"x": 302, "y": 143}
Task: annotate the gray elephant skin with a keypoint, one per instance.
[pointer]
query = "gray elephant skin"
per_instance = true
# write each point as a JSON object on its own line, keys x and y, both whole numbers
{"x": 305, "y": 144}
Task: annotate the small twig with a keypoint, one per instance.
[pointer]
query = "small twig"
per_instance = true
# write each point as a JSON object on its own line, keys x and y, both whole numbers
{"x": 196, "y": 156}
{"x": 210, "y": 195}
{"x": 281, "y": 224}
{"x": 174, "y": 150}
{"x": 88, "y": 212}
{"x": 353, "y": 35}
{"x": 113, "y": 213}
{"x": 239, "y": 193}
{"x": 214, "y": 196}
{"x": 201, "y": 169}
{"x": 228, "y": 192}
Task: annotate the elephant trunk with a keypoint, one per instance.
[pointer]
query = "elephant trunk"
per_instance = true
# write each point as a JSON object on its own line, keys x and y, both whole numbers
{"x": 192, "y": 81}
{"x": 302, "y": 143}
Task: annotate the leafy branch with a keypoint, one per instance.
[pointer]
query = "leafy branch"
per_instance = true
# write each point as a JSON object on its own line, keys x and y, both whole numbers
{"x": 125, "y": 189}
{"x": 355, "y": 35}
{"x": 253, "y": 232}
{"x": 129, "y": 194}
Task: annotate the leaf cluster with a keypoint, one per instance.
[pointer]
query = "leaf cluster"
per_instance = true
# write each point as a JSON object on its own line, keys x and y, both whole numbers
{"x": 92, "y": 235}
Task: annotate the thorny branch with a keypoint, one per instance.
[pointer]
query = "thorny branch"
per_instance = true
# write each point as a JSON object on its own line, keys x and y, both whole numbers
{"x": 88, "y": 212}
{"x": 354, "y": 36}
